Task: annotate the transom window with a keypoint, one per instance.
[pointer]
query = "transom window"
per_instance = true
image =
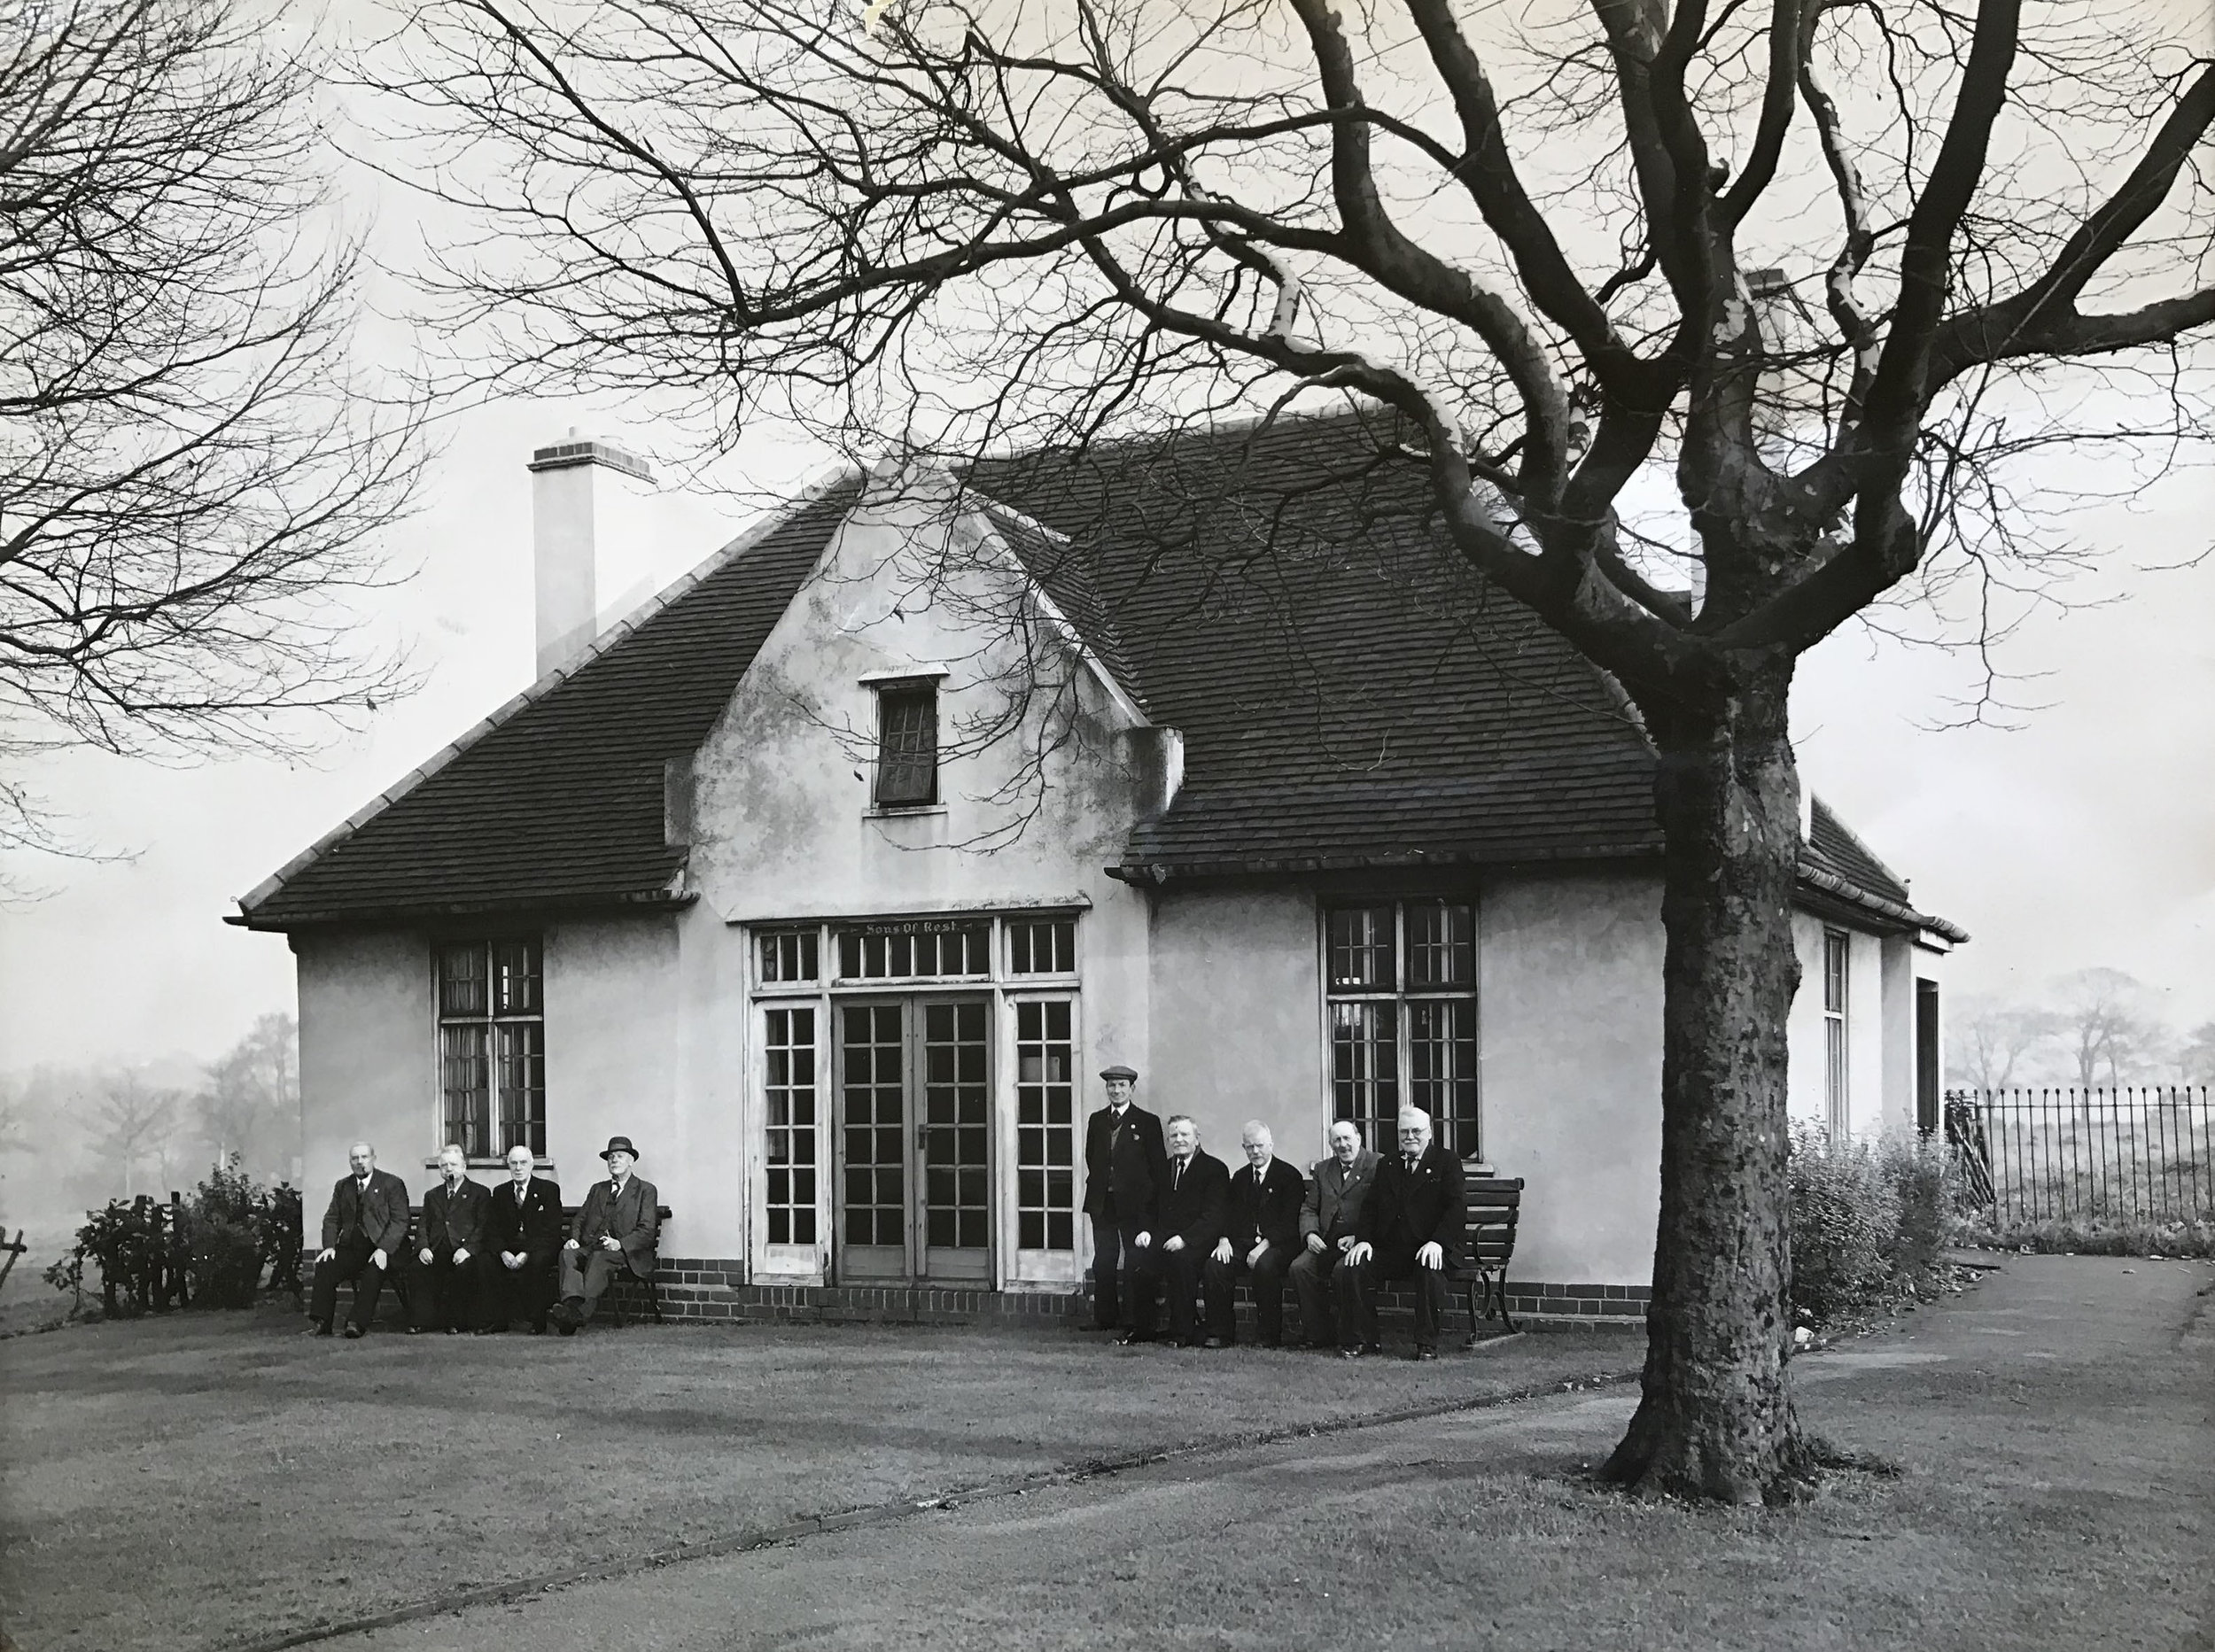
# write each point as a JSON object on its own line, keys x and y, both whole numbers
{"x": 492, "y": 1045}
{"x": 1042, "y": 946}
{"x": 916, "y": 949}
{"x": 1402, "y": 990}
{"x": 787, "y": 954}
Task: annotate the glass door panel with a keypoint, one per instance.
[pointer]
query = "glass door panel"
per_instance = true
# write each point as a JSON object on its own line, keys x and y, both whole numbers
{"x": 957, "y": 1137}
{"x": 873, "y": 1084}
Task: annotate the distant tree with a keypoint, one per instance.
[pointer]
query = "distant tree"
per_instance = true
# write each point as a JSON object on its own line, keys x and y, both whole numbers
{"x": 2196, "y": 1062}
{"x": 2106, "y": 1027}
{"x": 1998, "y": 1044}
{"x": 251, "y": 1104}
{"x": 191, "y": 468}
{"x": 133, "y": 1127}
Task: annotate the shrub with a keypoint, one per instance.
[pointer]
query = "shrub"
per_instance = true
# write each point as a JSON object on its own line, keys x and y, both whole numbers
{"x": 2095, "y": 1238}
{"x": 1845, "y": 1225}
{"x": 1916, "y": 1169}
{"x": 226, "y": 1261}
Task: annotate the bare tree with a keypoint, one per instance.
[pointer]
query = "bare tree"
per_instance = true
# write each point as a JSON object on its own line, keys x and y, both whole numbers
{"x": 2105, "y": 1027}
{"x": 2002, "y": 1041}
{"x": 2196, "y": 1063}
{"x": 133, "y": 1124}
{"x": 251, "y": 1104}
{"x": 1552, "y": 254}
{"x": 191, "y": 468}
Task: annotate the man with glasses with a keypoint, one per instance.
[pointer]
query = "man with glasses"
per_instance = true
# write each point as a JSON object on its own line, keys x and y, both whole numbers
{"x": 1410, "y": 1229}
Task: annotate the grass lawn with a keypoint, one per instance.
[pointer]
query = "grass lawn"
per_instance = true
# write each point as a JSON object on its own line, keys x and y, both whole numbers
{"x": 203, "y": 1478}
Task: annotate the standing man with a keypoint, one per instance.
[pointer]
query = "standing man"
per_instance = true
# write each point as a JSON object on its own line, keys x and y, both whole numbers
{"x": 1261, "y": 1239}
{"x": 1194, "y": 1205}
{"x": 1410, "y": 1228}
{"x": 616, "y": 1230}
{"x": 1125, "y": 1167}
{"x": 523, "y": 1229}
{"x": 1328, "y": 1220}
{"x": 453, "y": 1235}
{"x": 365, "y": 1236}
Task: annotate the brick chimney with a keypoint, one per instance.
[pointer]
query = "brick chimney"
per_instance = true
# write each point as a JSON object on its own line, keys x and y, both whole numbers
{"x": 591, "y": 543}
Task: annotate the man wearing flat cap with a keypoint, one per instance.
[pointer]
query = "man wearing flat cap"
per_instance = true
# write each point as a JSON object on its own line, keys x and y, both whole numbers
{"x": 614, "y": 1230}
{"x": 1126, "y": 1165}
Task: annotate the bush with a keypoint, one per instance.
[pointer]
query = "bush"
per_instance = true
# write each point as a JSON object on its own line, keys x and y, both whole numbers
{"x": 1917, "y": 1168}
{"x": 2093, "y": 1237}
{"x": 226, "y": 1261}
{"x": 1845, "y": 1226}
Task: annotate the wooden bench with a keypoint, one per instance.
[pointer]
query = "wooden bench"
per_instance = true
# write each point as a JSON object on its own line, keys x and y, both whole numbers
{"x": 617, "y": 1290}
{"x": 1487, "y": 1244}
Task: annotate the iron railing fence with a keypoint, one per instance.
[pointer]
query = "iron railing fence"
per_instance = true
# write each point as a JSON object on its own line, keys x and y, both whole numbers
{"x": 2126, "y": 1154}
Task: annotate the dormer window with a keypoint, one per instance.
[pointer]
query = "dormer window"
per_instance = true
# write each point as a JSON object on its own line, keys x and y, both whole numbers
{"x": 908, "y": 744}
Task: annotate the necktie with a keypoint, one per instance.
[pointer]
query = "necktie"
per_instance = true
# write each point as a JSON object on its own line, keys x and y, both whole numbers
{"x": 1410, "y": 1159}
{"x": 1176, "y": 1176}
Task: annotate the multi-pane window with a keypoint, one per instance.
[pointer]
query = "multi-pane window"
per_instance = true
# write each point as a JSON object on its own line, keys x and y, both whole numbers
{"x": 789, "y": 1081}
{"x": 1045, "y": 1126}
{"x": 1402, "y": 979}
{"x": 788, "y": 956}
{"x": 933, "y": 950}
{"x": 1837, "y": 1105}
{"x": 492, "y": 1045}
{"x": 1042, "y": 946}
{"x": 907, "y": 744}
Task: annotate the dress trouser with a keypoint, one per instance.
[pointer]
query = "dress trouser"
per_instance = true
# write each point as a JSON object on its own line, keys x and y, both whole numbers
{"x": 351, "y": 1262}
{"x": 445, "y": 1292}
{"x": 1315, "y": 1284}
{"x": 523, "y": 1292}
{"x": 1177, "y": 1272}
{"x": 1115, "y": 1263}
{"x": 1357, "y": 1297}
{"x": 588, "y": 1273}
{"x": 1268, "y": 1276}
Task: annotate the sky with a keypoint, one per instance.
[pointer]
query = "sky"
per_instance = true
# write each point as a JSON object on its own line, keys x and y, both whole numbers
{"x": 2078, "y": 836}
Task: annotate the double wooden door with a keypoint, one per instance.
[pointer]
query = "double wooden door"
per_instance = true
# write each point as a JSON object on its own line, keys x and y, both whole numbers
{"x": 914, "y": 1139}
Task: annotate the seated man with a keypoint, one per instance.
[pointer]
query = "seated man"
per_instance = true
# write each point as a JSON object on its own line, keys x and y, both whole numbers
{"x": 523, "y": 1229}
{"x": 365, "y": 1237}
{"x": 1411, "y": 1227}
{"x": 1261, "y": 1239}
{"x": 453, "y": 1233}
{"x": 1191, "y": 1208}
{"x": 616, "y": 1231}
{"x": 1336, "y": 1193}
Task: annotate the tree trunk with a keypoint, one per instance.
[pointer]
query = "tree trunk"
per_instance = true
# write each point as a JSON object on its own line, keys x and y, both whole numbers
{"x": 1716, "y": 1420}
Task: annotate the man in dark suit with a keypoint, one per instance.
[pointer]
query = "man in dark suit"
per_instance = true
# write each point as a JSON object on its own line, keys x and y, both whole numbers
{"x": 1328, "y": 1220}
{"x": 453, "y": 1235}
{"x": 365, "y": 1239}
{"x": 1261, "y": 1236}
{"x": 1411, "y": 1227}
{"x": 616, "y": 1231}
{"x": 1194, "y": 1205}
{"x": 522, "y": 1230}
{"x": 1126, "y": 1165}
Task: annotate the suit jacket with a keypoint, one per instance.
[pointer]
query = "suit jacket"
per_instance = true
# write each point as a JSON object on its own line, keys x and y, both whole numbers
{"x": 1404, "y": 1213}
{"x": 1336, "y": 1194}
{"x": 1128, "y": 1158}
{"x": 455, "y": 1221}
{"x": 1198, "y": 1208}
{"x": 1269, "y": 1210}
{"x": 535, "y": 1229}
{"x": 386, "y": 1209}
{"x": 633, "y": 1220}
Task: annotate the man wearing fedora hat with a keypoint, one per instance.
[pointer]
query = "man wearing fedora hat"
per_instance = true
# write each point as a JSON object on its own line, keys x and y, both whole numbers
{"x": 1126, "y": 1165}
{"x": 616, "y": 1229}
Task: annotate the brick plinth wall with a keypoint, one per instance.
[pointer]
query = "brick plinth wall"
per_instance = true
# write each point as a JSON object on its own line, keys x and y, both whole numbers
{"x": 714, "y": 1290}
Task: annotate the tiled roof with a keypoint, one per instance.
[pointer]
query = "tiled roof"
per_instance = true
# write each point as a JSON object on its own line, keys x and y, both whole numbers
{"x": 557, "y": 799}
{"x": 1348, "y": 692}
{"x": 1832, "y": 846}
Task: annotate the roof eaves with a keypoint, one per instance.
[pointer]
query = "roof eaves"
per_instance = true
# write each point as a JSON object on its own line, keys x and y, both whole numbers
{"x": 822, "y": 484}
{"x": 1842, "y": 889}
{"x": 1130, "y": 701}
{"x": 662, "y": 898}
{"x": 1158, "y": 871}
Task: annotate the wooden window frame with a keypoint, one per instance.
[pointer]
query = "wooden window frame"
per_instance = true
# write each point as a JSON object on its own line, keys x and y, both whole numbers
{"x": 906, "y": 772}
{"x": 484, "y": 1140}
{"x": 1377, "y": 998}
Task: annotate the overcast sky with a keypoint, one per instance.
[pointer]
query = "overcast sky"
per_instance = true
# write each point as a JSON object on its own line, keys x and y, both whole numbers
{"x": 2079, "y": 836}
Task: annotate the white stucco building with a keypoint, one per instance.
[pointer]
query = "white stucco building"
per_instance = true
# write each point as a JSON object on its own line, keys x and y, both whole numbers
{"x": 832, "y": 875}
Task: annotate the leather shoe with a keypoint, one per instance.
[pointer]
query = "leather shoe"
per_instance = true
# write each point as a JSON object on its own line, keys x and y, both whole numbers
{"x": 452, "y": 1331}
{"x": 1214, "y": 1342}
{"x": 538, "y": 1330}
{"x": 354, "y": 1333}
{"x": 1373, "y": 1347}
{"x": 566, "y": 1325}
{"x": 321, "y": 1328}
{"x": 492, "y": 1330}
{"x": 1426, "y": 1354}
{"x": 1132, "y": 1337}
{"x": 1349, "y": 1354}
